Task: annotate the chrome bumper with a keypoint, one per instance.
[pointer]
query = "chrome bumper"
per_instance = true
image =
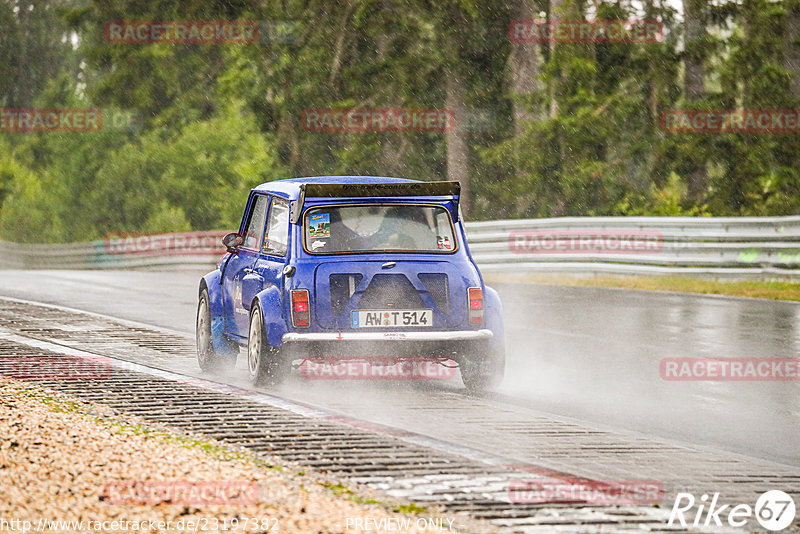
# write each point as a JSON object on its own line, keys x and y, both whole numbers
{"x": 460, "y": 335}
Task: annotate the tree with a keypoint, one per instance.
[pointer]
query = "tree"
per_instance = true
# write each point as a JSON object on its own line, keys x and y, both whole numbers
{"x": 34, "y": 47}
{"x": 541, "y": 129}
{"x": 523, "y": 68}
{"x": 791, "y": 54}
{"x": 695, "y": 44}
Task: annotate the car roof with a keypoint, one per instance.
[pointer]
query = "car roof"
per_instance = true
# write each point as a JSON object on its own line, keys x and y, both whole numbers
{"x": 290, "y": 188}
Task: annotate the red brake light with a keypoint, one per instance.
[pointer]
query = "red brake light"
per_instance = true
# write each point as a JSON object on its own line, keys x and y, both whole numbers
{"x": 475, "y": 297}
{"x": 301, "y": 315}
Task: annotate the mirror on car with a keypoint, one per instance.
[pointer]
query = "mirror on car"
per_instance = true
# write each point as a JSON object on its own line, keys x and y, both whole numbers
{"x": 232, "y": 242}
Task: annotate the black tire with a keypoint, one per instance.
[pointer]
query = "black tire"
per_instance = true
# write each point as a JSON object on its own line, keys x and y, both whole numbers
{"x": 265, "y": 364}
{"x": 207, "y": 357}
{"x": 483, "y": 371}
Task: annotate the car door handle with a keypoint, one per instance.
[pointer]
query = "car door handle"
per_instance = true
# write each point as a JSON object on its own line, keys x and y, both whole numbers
{"x": 388, "y": 265}
{"x": 250, "y": 271}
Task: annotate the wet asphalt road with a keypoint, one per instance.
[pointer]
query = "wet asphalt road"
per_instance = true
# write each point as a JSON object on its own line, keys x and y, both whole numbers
{"x": 590, "y": 354}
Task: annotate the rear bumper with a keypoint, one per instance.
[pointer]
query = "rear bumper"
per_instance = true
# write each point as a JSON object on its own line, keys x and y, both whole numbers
{"x": 316, "y": 337}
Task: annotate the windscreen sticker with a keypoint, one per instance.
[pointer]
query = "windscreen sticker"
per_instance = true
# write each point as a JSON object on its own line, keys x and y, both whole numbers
{"x": 317, "y": 244}
{"x": 320, "y": 225}
{"x": 443, "y": 242}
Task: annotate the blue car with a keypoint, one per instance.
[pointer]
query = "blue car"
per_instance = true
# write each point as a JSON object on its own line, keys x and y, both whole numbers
{"x": 350, "y": 268}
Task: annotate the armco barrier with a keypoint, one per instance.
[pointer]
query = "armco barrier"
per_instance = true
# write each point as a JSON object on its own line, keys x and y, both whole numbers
{"x": 182, "y": 250}
{"x": 710, "y": 247}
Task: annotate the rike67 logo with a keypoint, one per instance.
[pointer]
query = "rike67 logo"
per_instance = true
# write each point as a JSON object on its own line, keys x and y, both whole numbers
{"x": 774, "y": 510}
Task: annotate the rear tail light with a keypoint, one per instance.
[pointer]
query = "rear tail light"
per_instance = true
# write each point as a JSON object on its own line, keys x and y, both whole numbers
{"x": 475, "y": 298}
{"x": 301, "y": 314}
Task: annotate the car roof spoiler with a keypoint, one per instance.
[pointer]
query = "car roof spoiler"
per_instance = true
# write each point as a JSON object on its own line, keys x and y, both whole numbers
{"x": 388, "y": 189}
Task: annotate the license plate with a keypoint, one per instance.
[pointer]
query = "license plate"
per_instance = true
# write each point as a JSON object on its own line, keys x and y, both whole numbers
{"x": 390, "y": 318}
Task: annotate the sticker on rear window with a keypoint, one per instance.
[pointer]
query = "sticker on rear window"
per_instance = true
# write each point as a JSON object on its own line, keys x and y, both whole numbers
{"x": 320, "y": 225}
{"x": 443, "y": 242}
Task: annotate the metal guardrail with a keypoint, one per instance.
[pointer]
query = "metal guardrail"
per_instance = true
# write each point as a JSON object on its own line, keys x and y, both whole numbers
{"x": 175, "y": 251}
{"x": 709, "y": 247}
{"x": 712, "y": 247}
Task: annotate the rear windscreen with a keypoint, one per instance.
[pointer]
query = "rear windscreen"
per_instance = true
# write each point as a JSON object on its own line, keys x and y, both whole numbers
{"x": 379, "y": 228}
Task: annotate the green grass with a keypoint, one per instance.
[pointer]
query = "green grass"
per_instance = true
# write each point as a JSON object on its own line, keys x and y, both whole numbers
{"x": 208, "y": 446}
{"x": 410, "y": 509}
{"x": 748, "y": 289}
{"x": 343, "y": 491}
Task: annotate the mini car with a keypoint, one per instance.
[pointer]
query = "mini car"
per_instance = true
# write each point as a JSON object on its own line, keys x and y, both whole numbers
{"x": 350, "y": 268}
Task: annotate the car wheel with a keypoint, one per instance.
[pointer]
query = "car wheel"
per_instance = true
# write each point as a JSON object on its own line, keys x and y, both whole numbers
{"x": 207, "y": 357}
{"x": 265, "y": 364}
{"x": 483, "y": 372}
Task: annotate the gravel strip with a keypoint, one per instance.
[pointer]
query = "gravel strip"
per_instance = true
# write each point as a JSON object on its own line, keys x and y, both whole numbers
{"x": 62, "y": 461}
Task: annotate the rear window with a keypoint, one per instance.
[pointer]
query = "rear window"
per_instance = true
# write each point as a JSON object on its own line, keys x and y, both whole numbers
{"x": 379, "y": 228}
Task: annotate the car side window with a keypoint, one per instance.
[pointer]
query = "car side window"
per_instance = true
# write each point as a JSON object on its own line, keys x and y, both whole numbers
{"x": 277, "y": 237}
{"x": 254, "y": 228}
